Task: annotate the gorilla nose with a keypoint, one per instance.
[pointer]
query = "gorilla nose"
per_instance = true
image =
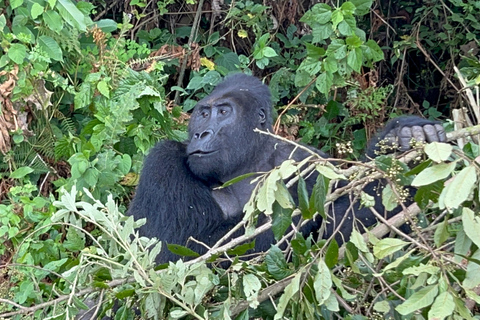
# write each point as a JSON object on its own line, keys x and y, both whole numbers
{"x": 203, "y": 134}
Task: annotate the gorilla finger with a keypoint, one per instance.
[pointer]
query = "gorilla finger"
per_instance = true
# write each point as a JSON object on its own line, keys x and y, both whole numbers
{"x": 431, "y": 133}
{"x": 390, "y": 138}
{"x": 404, "y": 138}
{"x": 442, "y": 136}
{"x": 418, "y": 133}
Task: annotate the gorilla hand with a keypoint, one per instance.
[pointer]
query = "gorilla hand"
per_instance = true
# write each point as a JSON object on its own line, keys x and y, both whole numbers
{"x": 399, "y": 133}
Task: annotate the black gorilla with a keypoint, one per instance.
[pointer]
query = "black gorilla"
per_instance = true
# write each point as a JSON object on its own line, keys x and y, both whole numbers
{"x": 176, "y": 191}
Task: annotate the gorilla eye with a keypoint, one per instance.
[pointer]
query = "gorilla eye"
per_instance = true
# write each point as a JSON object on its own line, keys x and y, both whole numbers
{"x": 223, "y": 112}
{"x": 204, "y": 114}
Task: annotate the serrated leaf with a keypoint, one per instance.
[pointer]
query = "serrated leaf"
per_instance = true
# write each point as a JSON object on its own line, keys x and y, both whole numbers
{"x": 324, "y": 82}
{"x": 355, "y": 59}
{"x": 386, "y": 247}
{"x": 337, "y": 17}
{"x": 51, "y": 47}
{"x": 21, "y": 172}
{"x": 276, "y": 264}
{"x": 420, "y": 299}
{"x": 438, "y": 151}
{"x": 433, "y": 174}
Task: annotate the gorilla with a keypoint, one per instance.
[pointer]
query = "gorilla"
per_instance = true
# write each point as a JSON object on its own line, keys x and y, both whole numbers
{"x": 178, "y": 193}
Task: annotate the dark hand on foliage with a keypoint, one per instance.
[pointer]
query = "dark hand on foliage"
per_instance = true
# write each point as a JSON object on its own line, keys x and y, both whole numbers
{"x": 177, "y": 191}
{"x": 401, "y": 132}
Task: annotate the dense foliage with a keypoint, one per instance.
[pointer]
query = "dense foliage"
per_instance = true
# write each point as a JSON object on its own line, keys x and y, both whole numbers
{"x": 86, "y": 91}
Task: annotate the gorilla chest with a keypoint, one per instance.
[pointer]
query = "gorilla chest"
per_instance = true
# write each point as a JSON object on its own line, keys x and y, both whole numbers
{"x": 233, "y": 198}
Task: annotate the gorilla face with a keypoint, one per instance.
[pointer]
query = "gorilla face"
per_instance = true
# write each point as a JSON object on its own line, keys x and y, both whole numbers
{"x": 221, "y": 136}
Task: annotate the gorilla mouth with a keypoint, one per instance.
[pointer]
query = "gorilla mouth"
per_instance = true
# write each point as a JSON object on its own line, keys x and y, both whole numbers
{"x": 202, "y": 153}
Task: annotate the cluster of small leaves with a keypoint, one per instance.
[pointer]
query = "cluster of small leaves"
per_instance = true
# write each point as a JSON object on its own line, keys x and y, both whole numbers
{"x": 347, "y": 48}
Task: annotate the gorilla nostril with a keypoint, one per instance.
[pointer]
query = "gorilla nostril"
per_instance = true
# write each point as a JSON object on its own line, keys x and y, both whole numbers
{"x": 202, "y": 135}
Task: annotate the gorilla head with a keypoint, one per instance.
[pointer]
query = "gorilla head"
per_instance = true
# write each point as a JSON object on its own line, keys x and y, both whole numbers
{"x": 221, "y": 136}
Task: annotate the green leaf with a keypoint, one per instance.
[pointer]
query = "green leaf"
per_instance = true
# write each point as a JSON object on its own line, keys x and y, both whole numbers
{"x": 324, "y": 82}
{"x": 287, "y": 295}
{"x": 321, "y": 32}
{"x": 71, "y": 14}
{"x": 357, "y": 239}
{"x": 53, "y": 20}
{"x": 471, "y": 225}
{"x": 459, "y": 189}
{"x": 303, "y": 197}
{"x": 372, "y": 51}
{"x": 320, "y": 13}
{"x": 103, "y": 88}
{"x": 322, "y": 283}
{"x": 327, "y": 171}
{"x": 107, "y": 25}
{"x": 442, "y": 307}
{"x": 251, "y": 287}
{"x": 36, "y": 10}
{"x": 17, "y": 53}
{"x": 355, "y": 59}
{"x": 51, "y": 47}
{"x": 21, "y": 172}
{"x": 15, "y": 4}
{"x": 386, "y": 247}
{"x": 331, "y": 254}
{"x": 353, "y": 41}
{"x": 362, "y": 6}
{"x": 269, "y": 52}
{"x": 337, "y": 17}
{"x": 281, "y": 219}
{"x": 238, "y": 179}
{"x": 420, "y": 299}
{"x": 266, "y": 193}
{"x": 433, "y": 174}
{"x": 389, "y": 198}
{"x": 438, "y": 151}
{"x": 422, "y": 268}
{"x": 181, "y": 250}
{"x": 472, "y": 278}
{"x": 276, "y": 264}
{"x": 348, "y": 7}
{"x": 441, "y": 233}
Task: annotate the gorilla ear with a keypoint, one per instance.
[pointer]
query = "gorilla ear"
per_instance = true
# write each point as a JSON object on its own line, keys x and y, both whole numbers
{"x": 262, "y": 116}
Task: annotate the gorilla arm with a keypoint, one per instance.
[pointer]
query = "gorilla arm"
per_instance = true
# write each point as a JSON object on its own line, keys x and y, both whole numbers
{"x": 175, "y": 204}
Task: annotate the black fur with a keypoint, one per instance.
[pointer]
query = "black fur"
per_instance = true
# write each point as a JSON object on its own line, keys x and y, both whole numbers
{"x": 176, "y": 190}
